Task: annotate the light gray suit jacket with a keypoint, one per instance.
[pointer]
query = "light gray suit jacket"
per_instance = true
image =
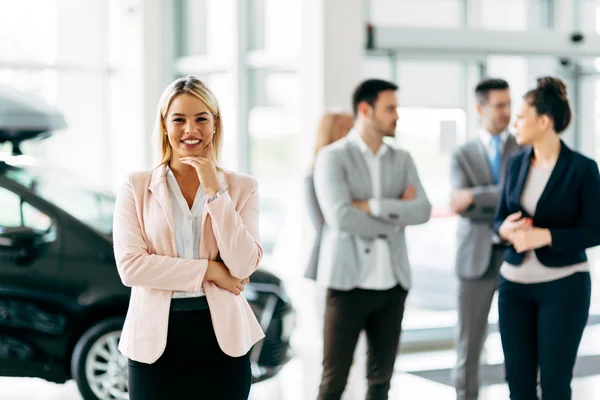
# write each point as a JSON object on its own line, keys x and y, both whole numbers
{"x": 342, "y": 176}
{"x": 470, "y": 168}
{"x": 316, "y": 217}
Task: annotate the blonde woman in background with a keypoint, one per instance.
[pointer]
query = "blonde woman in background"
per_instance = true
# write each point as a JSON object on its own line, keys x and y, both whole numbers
{"x": 186, "y": 240}
{"x": 332, "y": 127}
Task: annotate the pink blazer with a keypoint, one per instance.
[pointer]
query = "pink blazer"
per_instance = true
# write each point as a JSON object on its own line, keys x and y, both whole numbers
{"x": 146, "y": 256}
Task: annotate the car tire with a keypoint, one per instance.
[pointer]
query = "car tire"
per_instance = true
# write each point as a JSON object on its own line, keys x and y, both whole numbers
{"x": 96, "y": 356}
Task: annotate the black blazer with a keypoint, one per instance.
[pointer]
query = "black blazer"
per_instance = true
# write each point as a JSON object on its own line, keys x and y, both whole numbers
{"x": 569, "y": 206}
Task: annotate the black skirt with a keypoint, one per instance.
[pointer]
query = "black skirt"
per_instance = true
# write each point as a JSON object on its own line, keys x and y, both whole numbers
{"x": 192, "y": 365}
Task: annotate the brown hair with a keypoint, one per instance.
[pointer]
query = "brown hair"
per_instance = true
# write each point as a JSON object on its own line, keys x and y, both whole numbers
{"x": 328, "y": 125}
{"x": 550, "y": 98}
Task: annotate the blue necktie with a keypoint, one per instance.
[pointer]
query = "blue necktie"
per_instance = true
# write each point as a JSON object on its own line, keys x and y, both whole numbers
{"x": 495, "y": 156}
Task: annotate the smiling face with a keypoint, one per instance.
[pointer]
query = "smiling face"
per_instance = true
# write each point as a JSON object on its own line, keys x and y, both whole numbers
{"x": 190, "y": 126}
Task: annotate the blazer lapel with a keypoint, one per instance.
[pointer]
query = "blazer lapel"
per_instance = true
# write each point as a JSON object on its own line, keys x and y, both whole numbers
{"x": 561, "y": 165}
{"x": 362, "y": 170}
{"x": 522, "y": 177}
{"x": 389, "y": 180}
{"x": 158, "y": 187}
{"x": 482, "y": 154}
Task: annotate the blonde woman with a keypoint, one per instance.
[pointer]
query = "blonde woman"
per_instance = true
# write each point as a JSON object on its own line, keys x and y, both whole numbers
{"x": 186, "y": 241}
{"x": 332, "y": 127}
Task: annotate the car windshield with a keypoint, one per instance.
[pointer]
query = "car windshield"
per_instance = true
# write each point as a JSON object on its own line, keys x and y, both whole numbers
{"x": 91, "y": 207}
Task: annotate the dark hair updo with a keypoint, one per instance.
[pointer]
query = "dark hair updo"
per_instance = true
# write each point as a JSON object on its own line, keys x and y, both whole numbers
{"x": 550, "y": 98}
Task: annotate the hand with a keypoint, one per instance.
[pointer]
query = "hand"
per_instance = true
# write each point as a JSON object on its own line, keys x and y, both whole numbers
{"x": 218, "y": 273}
{"x": 531, "y": 239}
{"x": 461, "y": 200}
{"x": 362, "y": 205}
{"x": 206, "y": 169}
{"x": 512, "y": 224}
{"x": 410, "y": 193}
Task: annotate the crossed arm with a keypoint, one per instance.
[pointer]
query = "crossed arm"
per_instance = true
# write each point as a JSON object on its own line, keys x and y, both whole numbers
{"x": 357, "y": 218}
{"x": 477, "y": 203}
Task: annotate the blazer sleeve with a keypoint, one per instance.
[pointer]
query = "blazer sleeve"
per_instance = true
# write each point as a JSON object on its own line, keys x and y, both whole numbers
{"x": 314, "y": 210}
{"x": 237, "y": 234}
{"x": 587, "y": 233}
{"x": 136, "y": 266}
{"x": 335, "y": 200}
{"x": 485, "y": 197}
{"x": 407, "y": 212}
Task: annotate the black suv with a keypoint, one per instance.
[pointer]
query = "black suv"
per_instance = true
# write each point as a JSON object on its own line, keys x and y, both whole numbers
{"x": 62, "y": 304}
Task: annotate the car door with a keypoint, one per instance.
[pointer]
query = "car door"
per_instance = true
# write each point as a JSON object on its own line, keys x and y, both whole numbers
{"x": 31, "y": 308}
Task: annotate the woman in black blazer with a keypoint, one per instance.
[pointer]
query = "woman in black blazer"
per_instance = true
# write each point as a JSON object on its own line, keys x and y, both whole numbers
{"x": 549, "y": 214}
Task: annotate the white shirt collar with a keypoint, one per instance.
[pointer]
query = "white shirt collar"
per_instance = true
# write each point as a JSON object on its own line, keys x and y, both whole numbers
{"x": 486, "y": 137}
{"x": 364, "y": 148}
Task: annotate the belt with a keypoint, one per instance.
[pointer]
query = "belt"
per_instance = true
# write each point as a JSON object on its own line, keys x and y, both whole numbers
{"x": 189, "y": 304}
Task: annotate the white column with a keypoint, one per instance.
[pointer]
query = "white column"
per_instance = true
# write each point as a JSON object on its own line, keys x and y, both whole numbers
{"x": 332, "y": 58}
{"x": 144, "y": 67}
{"x": 157, "y": 65}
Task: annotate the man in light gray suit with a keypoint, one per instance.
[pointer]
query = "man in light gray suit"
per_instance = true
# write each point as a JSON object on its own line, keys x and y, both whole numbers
{"x": 368, "y": 192}
{"x": 476, "y": 171}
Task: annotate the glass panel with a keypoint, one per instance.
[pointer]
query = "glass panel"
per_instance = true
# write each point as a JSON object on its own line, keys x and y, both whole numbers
{"x": 65, "y": 191}
{"x": 200, "y": 24}
{"x": 423, "y": 13}
{"x": 223, "y": 86}
{"x": 10, "y": 215}
{"x": 430, "y": 135}
{"x": 191, "y": 26}
{"x": 35, "y": 219}
{"x": 589, "y": 16}
{"x": 417, "y": 78}
{"x": 515, "y": 15}
{"x": 275, "y": 26}
{"x": 274, "y": 122}
{"x": 81, "y": 28}
{"x": 27, "y": 35}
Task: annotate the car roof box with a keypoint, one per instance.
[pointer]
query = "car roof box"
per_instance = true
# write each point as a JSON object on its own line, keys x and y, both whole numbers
{"x": 25, "y": 116}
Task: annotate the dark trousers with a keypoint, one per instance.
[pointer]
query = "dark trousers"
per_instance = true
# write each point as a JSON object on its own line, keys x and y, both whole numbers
{"x": 192, "y": 366}
{"x": 347, "y": 313}
{"x": 541, "y": 326}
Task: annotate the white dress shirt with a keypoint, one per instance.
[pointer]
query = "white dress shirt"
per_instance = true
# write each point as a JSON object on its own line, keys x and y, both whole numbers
{"x": 486, "y": 139}
{"x": 187, "y": 224}
{"x": 531, "y": 269}
{"x": 379, "y": 275}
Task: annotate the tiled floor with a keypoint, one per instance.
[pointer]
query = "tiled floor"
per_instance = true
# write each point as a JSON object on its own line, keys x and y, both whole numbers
{"x": 300, "y": 378}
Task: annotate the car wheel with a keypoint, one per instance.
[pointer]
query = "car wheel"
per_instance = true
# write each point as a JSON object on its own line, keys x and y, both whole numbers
{"x": 97, "y": 366}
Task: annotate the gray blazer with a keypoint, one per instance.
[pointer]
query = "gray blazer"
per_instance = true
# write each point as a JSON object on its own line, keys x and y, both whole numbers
{"x": 341, "y": 176}
{"x": 316, "y": 217}
{"x": 470, "y": 168}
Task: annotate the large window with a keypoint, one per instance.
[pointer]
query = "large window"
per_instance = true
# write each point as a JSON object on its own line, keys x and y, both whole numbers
{"x": 41, "y": 55}
{"x": 422, "y": 14}
{"x": 274, "y": 141}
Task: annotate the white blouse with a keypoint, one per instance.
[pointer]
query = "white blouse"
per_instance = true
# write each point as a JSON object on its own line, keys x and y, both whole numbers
{"x": 187, "y": 224}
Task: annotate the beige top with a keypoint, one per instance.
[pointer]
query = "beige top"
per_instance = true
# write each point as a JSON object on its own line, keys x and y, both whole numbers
{"x": 532, "y": 270}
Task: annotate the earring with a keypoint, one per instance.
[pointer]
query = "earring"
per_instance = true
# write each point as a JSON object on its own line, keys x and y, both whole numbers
{"x": 165, "y": 132}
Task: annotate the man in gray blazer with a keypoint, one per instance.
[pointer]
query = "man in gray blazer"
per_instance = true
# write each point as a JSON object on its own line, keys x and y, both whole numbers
{"x": 368, "y": 192}
{"x": 476, "y": 173}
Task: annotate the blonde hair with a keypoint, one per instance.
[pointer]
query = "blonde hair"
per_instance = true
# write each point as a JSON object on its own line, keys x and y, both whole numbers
{"x": 328, "y": 125}
{"x": 193, "y": 86}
